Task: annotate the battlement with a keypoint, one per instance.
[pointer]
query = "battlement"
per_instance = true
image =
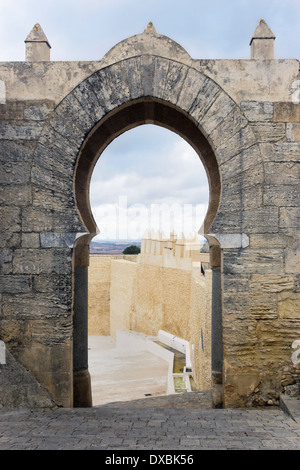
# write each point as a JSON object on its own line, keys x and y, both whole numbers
{"x": 173, "y": 252}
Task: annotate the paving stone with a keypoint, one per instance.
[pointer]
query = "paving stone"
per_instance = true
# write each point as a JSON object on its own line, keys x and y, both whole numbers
{"x": 163, "y": 429}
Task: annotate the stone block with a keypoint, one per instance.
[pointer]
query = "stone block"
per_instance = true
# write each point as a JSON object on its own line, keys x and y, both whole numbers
{"x": 37, "y": 111}
{"x": 19, "y": 388}
{"x": 15, "y": 284}
{"x": 281, "y": 195}
{"x": 291, "y": 254}
{"x": 38, "y": 219}
{"x": 30, "y": 240}
{"x": 194, "y": 81}
{"x": 10, "y": 240}
{"x": 71, "y": 119}
{"x": 34, "y": 307}
{"x": 269, "y": 131}
{"x": 218, "y": 111}
{"x": 257, "y": 111}
{"x": 132, "y": 72}
{"x": 240, "y": 141}
{"x": 15, "y": 160}
{"x": 270, "y": 240}
{"x": 59, "y": 385}
{"x": 168, "y": 79}
{"x": 260, "y": 220}
{"x": 289, "y": 217}
{"x": 11, "y": 111}
{"x": 274, "y": 283}
{"x": 289, "y": 304}
{"x": 10, "y": 219}
{"x": 6, "y": 256}
{"x": 282, "y": 173}
{"x": 48, "y": 163}
{"x": 22, "y": 131}
{"x": 233, "y": 124}
{"x": 2, "y": 353}
{"x": 35, "y": 261}
{"x": 253, "y": 261}
{"x": 110, "y": 88}
{"x": 286, "y": 112}
{"x": 58, "y": 143}
{"x": 293, "y": 132}
{"x": 57, "y": 240}
{"x": 17, "y": 195}
{"x": 86, "y": 97}
{"x": 204, "y": 100}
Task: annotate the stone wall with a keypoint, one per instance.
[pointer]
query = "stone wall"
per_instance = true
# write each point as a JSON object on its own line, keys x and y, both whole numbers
{"x": 149, "y": 295}
{"x": 242, "y": 117}
{"x": 99, "y": 277}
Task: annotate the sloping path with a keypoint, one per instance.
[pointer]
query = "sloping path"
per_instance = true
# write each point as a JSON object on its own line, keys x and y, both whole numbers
{"x": 137, "y": 426}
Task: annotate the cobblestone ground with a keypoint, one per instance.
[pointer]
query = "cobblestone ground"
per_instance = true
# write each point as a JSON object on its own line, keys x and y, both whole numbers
{"x": 124, "y": 427}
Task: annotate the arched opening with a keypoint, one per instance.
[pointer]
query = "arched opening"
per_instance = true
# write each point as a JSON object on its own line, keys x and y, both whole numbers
{"x": 128, "y": 116}
{"x": 149, "y": 183}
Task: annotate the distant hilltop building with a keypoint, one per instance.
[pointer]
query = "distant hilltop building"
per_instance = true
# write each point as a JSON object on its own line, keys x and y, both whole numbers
{"x": 173, "y": 251}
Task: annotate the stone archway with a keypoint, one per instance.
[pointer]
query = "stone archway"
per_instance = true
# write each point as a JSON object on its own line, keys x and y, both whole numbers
{"x": 137, "y": 90}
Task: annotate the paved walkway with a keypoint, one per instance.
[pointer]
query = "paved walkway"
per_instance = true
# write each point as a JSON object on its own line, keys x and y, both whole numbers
{"x": 142, "y": 425}
{"x": 116, "y": 373}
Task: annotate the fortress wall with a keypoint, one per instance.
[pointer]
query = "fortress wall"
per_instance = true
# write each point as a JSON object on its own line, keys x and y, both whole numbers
{"x": 123, "y": 274}
{"x": 162, "y": 300}
{"x": 145, "y": 297}
{"x": 99, "y": 295}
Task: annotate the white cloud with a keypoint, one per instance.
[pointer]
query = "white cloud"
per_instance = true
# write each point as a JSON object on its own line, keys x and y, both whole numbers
{"x": 161, "y": 186}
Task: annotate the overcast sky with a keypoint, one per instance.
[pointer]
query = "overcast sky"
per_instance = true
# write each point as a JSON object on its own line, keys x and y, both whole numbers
{"x": 148, "y": 168}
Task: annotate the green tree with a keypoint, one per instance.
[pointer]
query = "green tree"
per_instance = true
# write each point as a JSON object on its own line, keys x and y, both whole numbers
{"x": 131, "y": 250}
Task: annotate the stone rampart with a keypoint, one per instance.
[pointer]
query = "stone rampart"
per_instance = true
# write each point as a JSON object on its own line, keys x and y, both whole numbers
{"x": 158, "y": 292}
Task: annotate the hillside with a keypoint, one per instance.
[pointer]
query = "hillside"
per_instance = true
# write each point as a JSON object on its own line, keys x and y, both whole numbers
{"x": 111, "y": 247}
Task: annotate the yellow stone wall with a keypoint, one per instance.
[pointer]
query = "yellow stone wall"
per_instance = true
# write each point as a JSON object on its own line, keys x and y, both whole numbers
{"x": 99, "y": 295}
{"x": 148, "y": 297}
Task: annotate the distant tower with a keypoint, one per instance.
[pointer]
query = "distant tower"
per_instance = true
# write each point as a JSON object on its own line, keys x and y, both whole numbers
{"x": 37, "y": 45}
{"x": 262, "y": 42}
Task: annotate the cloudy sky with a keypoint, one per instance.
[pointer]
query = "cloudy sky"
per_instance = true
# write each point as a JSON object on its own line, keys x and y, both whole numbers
{"x": 148, "y": 177}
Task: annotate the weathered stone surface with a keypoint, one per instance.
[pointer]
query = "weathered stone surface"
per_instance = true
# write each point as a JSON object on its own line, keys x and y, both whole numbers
{"x": 251, "y": 152}
{"x": 168, "y": 79}
{"x": 35, "y": 261}
{"x": 269, "y": 131}
{"x": 15, "y": 159}
{"x": 37, "y": 111}
{"x": 261, "y": 219}
{"x": 289, "y": 217}
{"x": 281, "y": 195}
{"x": 19, "y": 388}
{"x": 289, "y": 304}
{"x": 16, "y": 195}
{"x": 30, "y": 240}
{"x": 23, "y": 131}
{"x": 293, "y": 132}
{"x": 286, "y": 112}
{"x": 265, "y": 261}
{"x": 14, "y": 284}
{"x": 11, "y": 219}
{"x": 58, "y": 240}
{"x": 257, "y": 111}
{"x": 240, "y": 141}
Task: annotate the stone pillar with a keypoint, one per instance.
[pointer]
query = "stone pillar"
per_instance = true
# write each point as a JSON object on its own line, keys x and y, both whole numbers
{"x": 37, "y": 45}
{"x": 216, "y": 327}
{"x": 81, "y": 377}
{"x": 262, "y": 42}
